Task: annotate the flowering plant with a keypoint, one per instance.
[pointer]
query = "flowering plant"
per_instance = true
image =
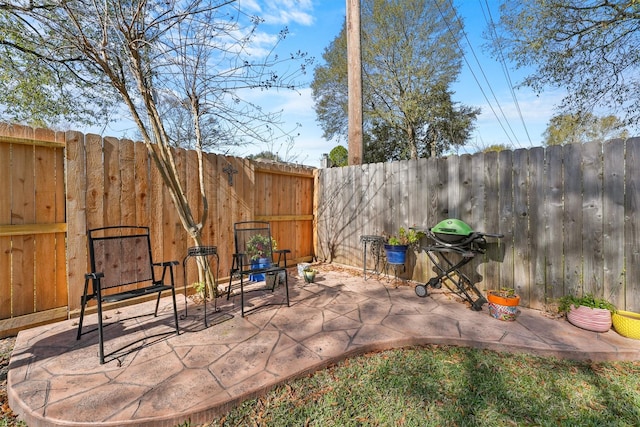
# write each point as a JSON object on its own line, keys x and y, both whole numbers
{"x": 258, "y": 247}
{"x": 406, "y": 237}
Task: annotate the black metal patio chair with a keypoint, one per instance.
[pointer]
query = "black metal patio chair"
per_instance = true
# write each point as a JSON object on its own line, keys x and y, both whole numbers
{"x": 122, "y": 268}
{"x": 253, "y": 260}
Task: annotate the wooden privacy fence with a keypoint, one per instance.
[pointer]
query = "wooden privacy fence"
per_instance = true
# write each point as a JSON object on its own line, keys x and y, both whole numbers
{"x": 113, "y": 182}
{"x": 570, "y": 216}
{"x": 33, "y": 284}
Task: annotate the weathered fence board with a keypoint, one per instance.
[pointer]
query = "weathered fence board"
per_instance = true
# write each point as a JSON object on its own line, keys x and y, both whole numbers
{"x": 613, "y": 207}
{"x": 569, "y": 215}
{"x": 632, "y": 227}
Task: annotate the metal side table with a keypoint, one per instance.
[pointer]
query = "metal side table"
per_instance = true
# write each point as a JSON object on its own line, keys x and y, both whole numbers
{"x": 375, "y": 248}
{"x": 207, "y": 252}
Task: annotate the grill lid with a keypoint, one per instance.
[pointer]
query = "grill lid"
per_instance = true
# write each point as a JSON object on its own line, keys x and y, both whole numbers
{"x": 452, "y": 226}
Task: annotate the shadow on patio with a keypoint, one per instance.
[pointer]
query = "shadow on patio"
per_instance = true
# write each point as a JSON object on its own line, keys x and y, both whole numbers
{"x": 159, "y": 378}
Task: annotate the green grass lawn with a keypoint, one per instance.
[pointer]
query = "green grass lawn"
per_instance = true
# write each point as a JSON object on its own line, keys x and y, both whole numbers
{"x": 446, "y": 386}
{"x": 452, "y": 386}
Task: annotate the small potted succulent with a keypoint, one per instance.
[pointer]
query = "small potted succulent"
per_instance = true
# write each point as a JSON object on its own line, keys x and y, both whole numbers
{"x": 398, "y": 244}
{"x": 587, "y": 312}
{"x": 309, "y": 274}
{"x": 503, "y": 304}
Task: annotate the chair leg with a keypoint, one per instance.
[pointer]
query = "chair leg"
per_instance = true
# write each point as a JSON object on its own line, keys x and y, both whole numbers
{"x": 155, "y": 313}
{"x": 100, "y": 333}
{"x": 175, "y": 309}
{"x": 286, "y": 286}
{"x": 83, "y": 303}
{"x": 229, "y": 288}
{"x": 241, "y": 295}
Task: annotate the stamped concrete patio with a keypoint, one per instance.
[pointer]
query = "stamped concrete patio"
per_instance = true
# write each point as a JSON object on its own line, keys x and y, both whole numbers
{"x": 158, "y": 378}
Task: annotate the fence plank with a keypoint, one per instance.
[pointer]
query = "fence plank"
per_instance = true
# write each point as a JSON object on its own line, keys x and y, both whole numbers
{"x": 477, "y": 205}
{"x": 453, "y": 187}
{"x": 492, "y": 220}
{"x": 592, "y": 214}
{"x": 95, "y": 184}
{"x": 5, "y": 242}
{"x": 521, "y": 238}
{"x": 126, "y": 163}
{"x": 613, "y": 208}
{"x": 112, "y": 182}
{"x": 22, "y": 247}
{"x": 554, "y": 230}
{"x": 465, "y": 194}
{"x": 505, "y": 202}
{"x": 537, "y": 215}
{"x": 77, "y": 259}
{"x": 45, "y": 245}
{"x": 142, "y": 176}
{"x": 572, "y": 220}
{"x": 632, "y": 226}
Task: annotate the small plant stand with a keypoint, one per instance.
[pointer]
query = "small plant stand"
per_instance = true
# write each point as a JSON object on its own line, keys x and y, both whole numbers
{"x": 375, "y": 249}
{"x": 207, "y": 252}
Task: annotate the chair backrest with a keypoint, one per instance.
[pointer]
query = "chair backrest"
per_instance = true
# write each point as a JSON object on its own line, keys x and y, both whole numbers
{"x": 122, "y": 254}
{"x": 254, "y": 242}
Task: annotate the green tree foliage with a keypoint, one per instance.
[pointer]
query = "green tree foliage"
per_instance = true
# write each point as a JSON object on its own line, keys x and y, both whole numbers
{"x": 495, "y": 148}
{"x": 267, "y": 155}
{"x": 339, "y": 156}
{"x": 572, "y": 128}
{"x": 410, "y": 58}
{"x": 587, "y": 47}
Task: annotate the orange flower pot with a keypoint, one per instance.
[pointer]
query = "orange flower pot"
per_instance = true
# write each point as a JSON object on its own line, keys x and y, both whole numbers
{"x": 503, "y": 307}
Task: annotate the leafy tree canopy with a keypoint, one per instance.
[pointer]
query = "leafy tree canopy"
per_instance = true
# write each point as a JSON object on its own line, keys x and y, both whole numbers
{"x": 267, "y": 155}
{"x": 587, "y": 47}
{"x": 339, "y": 156}
{"x": 572, "y": 128}
{"x": 410, "y": 57}
{"x": 495, "y": 148}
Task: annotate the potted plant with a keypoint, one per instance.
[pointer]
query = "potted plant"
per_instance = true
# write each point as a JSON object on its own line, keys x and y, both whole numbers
{"x": 309, "y": 274}
{"x": 587, "y": 312}
{"x": 398, "y": 244}
{"x": 259, "y": 251}
{"x": 626, "y": 323}
{"x": 503, "y": 304}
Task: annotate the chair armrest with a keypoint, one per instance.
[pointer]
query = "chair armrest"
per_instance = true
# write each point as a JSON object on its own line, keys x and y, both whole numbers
{"x": 94, "y": 276}
{"x": 166, "y": 263}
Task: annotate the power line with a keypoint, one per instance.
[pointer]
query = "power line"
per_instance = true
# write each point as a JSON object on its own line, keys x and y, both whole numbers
{"x": 485, "y": 77}
{"x": 464, "y": 56}
{"x": 503, "y": 62}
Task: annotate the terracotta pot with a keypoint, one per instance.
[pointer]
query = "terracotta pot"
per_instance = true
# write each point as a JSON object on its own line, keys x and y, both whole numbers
{"x": 496, "y": 298}
{"x": 591, "y": 319}
{"x": 503, "y": 307}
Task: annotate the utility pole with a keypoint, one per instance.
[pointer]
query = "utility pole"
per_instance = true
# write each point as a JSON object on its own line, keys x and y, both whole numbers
{"x": 354, "y": 78}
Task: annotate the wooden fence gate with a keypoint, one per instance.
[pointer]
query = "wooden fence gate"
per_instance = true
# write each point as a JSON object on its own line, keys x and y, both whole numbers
{"x": 33, "y": 274}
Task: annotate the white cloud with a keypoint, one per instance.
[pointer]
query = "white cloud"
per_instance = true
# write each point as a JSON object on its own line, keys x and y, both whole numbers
{"x": 284, "y": 12}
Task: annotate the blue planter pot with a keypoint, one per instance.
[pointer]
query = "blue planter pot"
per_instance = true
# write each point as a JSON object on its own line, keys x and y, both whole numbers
{"x": 396, "y": 254}
{"x": 258, "y": 264}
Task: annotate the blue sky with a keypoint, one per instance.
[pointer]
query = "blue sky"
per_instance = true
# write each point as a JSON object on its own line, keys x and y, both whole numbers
{"x": 514, "y": 118}
{"x": 313, "y": 24}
